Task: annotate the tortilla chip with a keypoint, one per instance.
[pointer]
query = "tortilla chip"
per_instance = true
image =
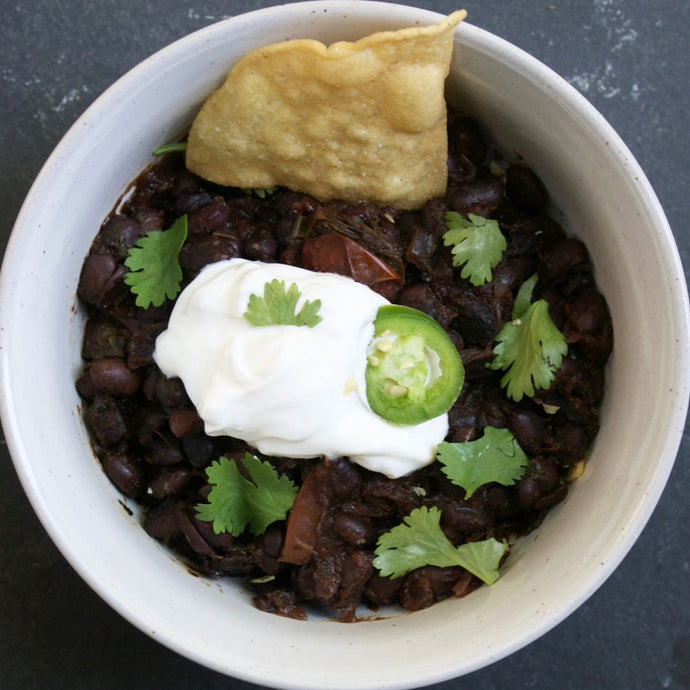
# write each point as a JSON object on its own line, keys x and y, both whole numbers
{"x": 351, "y": 121}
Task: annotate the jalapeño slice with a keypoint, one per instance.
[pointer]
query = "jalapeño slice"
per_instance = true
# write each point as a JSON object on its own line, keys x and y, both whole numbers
{"x": 414, "y": 372}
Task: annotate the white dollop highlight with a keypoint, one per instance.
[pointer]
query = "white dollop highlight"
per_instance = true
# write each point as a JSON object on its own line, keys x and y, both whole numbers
{"x": 292, "y": 391}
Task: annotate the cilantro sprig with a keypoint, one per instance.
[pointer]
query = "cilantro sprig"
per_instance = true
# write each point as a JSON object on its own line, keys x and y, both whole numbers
{"x": 236, "y": 503}
{"x": 177, "y": 147}
{"x": 530, "y": 348}
{"x": 278, "y": 306}
{"x": 261, "y": 192}
{"x": 495, "y": 457}
{"x": 478, "y": 245}
{"x": 419, "y": 541}
{"x": 154, "y": 267}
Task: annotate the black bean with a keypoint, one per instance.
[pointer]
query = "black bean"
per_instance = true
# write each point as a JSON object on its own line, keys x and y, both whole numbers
{"x": 427, "y": 585}
{"x": 261, "y": 245}
{"x": 551, "y": 499}
{"x": 476, "y": 317}
{"x": 167, "y": 452}
{"x": 568, "y": 444}
{"x": 500, "y": 500}
{"x": 191, "y": 200}
{"x": 564, "y": 256}
{"x": 150, "y": 219}
{"x": 588, "y": 313}
{"x": 357, "y": 568}
{"x": 199, "y": 449}
{"x": 101, "y": 280}
{"x": 529, "y": 430}
{"x": 544, "y": 474}
{"x": 200, "y": 251}
{"x": 273, "y": 540}
{"x": 111, "y": 376}
{"x": 170, "y": 481}
{"x": 461, "y": 518}
{"x": 279, "y": 601}
{"x": 185, "y": 421}
{"x": 421, "y": 247}
{"x": 191, "y": 533}
{"x": 103, "y": 339}
{"x": 345, "y": 479}
{"x": 170, "y": 392}
{"x": 382, "y": 590}
{"x": 84, "y": 386}
{"x": 527, "y": 492}
{"x": 106, "y": 420}
{"x": 142, "y": 342}
{"x": 161, "y": 521}
{"x": 118, "y": 234}
{"x": 465, "y": 140}
{"x": 481, "y": 197}
{"x": 354, "y": 530}
{"x": 209, "y": 218}
{"x": 525, "y": 189}
{"x": 125, "y": 472}
{"x": 423, "y": 298}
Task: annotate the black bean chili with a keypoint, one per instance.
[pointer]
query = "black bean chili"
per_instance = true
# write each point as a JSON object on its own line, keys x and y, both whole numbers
{"x": 150, "y": 439}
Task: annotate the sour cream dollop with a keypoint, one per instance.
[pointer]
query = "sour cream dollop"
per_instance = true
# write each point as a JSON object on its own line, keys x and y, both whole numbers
{"x": 292, "y": 391}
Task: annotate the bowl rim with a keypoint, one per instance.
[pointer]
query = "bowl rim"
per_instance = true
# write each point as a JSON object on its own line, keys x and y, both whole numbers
{"x": 468, "y": 32}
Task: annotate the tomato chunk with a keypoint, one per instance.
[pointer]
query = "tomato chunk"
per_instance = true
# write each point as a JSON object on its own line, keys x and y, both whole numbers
{"x": 414, "y": 372}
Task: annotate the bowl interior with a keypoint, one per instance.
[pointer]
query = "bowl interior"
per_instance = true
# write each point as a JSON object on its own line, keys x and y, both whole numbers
{"x": 602, "y": 197}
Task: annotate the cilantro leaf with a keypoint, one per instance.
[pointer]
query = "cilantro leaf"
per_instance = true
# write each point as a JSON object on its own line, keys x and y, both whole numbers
{"x": 495, "y": 457}
{"x": 261, "y": 192}
{"x": 420, "y": 541}
{"x": 236, "y": 503}
{"x": 524, "y": 297}
{"x": 478, "y": 243}
{"x": 180, "y": 147}
{"x": 278, "y": 307}
{"x": 154, "y": 266}
{"x": 530, "y": 348}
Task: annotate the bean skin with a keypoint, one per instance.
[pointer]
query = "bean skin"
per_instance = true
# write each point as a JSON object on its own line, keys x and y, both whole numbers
{"x": 171, "y": 392}
{"x": 111, "y": 375}
{"x": 106, "y": 420}
{"x": 525, "y": 189}
{"x": 481, "y": 197}
{"x": 564, "y": 256}
{"x": 261, "y": 245}
{"x": 170, "y": 481}
{"x": 100, "y": 278}
{"x": 102, "y": 339}
{"x": 209, "y": 218}
{"x": 354, "y": 530}
{"x": 185, "y": 421}
{"x": 125, "y": 472}
{"x": 118, "y": 234}
{"x": 199, "y": 449}
{"x": 201, "y": 250}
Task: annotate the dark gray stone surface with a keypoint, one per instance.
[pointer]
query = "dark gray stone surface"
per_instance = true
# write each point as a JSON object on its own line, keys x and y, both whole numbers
{"x": 629, "y": 57}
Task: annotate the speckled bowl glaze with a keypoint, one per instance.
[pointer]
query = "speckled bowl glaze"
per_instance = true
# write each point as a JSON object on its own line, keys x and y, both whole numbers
{"x": 602, "y": 196}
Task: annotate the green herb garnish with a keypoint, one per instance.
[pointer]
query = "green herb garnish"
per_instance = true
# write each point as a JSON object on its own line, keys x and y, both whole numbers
{"x": 420, "y": 541}
{"x": 278, "y": 307}
{"x": 530, "y": 348}
{"x": 261, "y": 192}
{"x": 478, "y": 245}
{"x": 179, "y": 147}
{"x": 495, "y": 457}
{"x": 236, "y": 502}
{"x": 154, "y": 267}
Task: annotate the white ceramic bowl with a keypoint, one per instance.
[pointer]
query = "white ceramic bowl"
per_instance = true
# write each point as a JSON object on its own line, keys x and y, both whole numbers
{"x": 604, "y": 198}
